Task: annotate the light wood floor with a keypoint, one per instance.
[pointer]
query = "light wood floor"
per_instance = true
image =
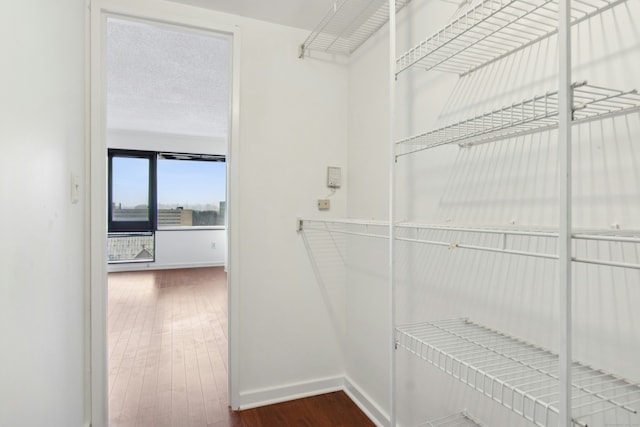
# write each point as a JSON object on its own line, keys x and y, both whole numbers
{"x": 168, "y": 358}
{"x": 168, "y": 348}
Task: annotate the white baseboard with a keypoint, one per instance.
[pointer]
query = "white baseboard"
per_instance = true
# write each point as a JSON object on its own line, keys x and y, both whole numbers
{"x": 371, "y": 409}
{"x": 255, "y": 398}
{"x": 143, "y": 266}
{"x": 268, "y": 396}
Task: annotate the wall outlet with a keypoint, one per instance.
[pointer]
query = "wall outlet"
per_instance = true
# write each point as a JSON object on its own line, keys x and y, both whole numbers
{"x": 324, "y": 204}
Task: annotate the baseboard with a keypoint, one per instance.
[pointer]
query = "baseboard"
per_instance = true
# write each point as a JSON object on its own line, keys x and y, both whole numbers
{"x": 143, "y": 266}
{"x": 255, "y": 398}
{"x": 371, "y": 409}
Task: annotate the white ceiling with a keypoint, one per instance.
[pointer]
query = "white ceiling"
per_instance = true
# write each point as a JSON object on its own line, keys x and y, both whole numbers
{"x": 155, "y": 83}
{"x": 304, "y": 14}
{"x": 167, "y": 80}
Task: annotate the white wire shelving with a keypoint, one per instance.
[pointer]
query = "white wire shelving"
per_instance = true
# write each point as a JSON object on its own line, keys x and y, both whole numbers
{"x": 493, "y": 29}
{"x": 513, "y": 240}
{"x": 519, "y": 375}
{"x": 528, "y": 241}
{"x": 535, "y": 114}
{"x": 354, "y": 227}
{"x": 347, "y": 25}
{"x": 460, "y": 419}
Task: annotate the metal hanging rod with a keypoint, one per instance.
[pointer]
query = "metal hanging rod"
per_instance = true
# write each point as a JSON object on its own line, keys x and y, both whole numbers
{"x": 535, "y": 114}
{"x": 460, "y": 419}
{"x": 521, "y": 376}
{"x": 365, "y": 228}
{"x": 491, "y": 30}
{"x": 347, "y": 25}
{"x": 496, "y": 239}
{"x": 504, "y": 240}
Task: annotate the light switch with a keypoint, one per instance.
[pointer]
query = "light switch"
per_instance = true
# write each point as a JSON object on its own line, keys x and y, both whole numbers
{"x": 75, "y": 188}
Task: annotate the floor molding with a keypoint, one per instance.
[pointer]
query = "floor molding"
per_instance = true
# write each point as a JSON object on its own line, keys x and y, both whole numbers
{"x": 365, "y": 403}
{"x": 268, "y": 396}
{"x": 149, "y": 266}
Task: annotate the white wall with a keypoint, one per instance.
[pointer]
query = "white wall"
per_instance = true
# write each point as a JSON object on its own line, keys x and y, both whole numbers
{"x": 42, "y": 282}
{"x": 293, "y": 125}
{"x": 183, "y": 249}
{"x": 490, "y": 184}
{"x": 293, "y": 118}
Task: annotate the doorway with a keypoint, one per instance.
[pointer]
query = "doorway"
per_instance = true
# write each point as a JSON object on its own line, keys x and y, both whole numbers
{"x": 167, "y": 127}
{"x": 165, "y": 89}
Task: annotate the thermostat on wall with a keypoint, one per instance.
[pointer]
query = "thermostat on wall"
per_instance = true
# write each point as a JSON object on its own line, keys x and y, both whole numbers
{"x": 334, "y": 177}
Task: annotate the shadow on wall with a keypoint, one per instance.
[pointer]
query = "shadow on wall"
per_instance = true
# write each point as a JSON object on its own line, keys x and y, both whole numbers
{"x": 327, "y": 254}
{"x": 513, "y": 183}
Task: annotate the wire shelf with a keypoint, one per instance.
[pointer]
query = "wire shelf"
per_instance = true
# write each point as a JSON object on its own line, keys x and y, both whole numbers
{"x": 520, "y": 376}
{"x": 493, "y": 29}
{"x": 513, "y": 240}
{"x": 347, "y": 25}
{"x": 366, "y": 228}
{"x": 460, "y": 419}
{"x": 531, "y": 115}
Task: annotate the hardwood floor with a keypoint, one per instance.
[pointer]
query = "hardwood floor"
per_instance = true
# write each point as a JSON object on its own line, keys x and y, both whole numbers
{"x": 167, "y": 334}
{"x": 327, "y": 410}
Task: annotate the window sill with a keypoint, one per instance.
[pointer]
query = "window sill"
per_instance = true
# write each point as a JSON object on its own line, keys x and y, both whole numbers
{"x": 193, "y": 228}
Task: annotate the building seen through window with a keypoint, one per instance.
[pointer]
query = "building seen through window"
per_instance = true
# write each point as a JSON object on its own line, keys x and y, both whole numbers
{"x": 151, "y": 191}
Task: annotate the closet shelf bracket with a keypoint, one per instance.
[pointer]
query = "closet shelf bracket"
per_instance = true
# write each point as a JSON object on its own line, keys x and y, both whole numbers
{"x": 347, "y": 25}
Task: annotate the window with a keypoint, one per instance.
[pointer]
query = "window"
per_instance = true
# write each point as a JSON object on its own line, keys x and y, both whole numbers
{"x": 191, "y": 190}
{"x": 132, "y": 194}
{"x": 150, "y": 191}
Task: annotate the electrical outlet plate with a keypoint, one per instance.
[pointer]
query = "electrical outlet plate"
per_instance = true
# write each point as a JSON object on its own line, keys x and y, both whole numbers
{"x": 324, "y": 204}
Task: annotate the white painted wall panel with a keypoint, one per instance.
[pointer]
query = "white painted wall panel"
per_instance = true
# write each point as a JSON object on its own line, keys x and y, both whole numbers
{"x": 42, "y": 286}
{"x": 293, "y": 125}
{"x": 183, "y": 249}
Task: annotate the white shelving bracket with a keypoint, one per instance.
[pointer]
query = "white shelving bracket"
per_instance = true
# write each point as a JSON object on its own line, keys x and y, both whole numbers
{"x": 347, "y": 25}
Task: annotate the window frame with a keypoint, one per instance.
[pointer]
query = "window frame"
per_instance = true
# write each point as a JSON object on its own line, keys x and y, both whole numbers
{"x": 166, "y": 155}
{"x": 150, "y": 224}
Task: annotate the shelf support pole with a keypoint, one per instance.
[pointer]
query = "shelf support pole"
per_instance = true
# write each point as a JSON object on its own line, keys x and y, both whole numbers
{"x": 392, "y": 219}
{"x": 565, "y": 106}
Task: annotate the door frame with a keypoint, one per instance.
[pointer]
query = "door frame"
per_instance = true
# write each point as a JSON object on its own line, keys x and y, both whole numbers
{"x": 96, "y": 167}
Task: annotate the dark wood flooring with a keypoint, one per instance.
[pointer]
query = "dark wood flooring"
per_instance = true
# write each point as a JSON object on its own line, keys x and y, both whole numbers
{"x": 168, "y": 358}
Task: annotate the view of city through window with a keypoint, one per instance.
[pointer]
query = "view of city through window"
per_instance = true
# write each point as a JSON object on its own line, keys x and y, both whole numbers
{"x": 190, "y": 193}
{"x": 130, "y": 188}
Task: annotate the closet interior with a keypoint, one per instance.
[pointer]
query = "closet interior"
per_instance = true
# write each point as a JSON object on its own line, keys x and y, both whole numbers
{"x": 512, "y": 236}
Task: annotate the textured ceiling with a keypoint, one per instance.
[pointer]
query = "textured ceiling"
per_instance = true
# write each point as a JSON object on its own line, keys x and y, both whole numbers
{"x": 304, "y": 14}
{"x": 164, "y": 79}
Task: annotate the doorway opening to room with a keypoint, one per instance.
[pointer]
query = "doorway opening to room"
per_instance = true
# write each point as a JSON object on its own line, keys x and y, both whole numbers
{"x": 167, "y": 131}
